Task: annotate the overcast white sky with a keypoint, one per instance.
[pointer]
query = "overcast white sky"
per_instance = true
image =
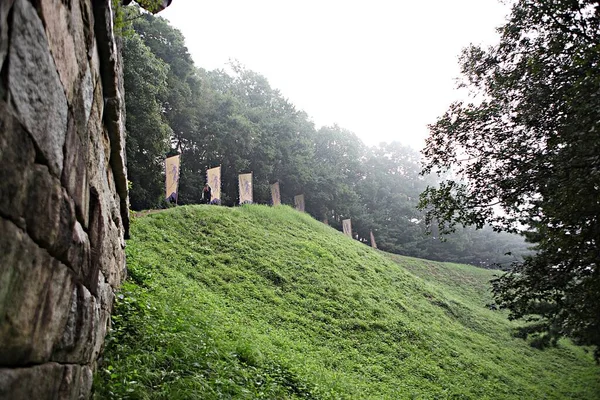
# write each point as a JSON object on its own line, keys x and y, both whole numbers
{"x": 382, "y": 69}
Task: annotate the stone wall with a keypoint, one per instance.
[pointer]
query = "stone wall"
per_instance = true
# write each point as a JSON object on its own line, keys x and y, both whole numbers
{"x": 63, "y": 193}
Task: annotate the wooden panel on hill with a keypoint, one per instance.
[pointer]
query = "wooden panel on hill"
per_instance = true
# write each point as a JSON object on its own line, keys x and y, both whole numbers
{"x": 213, "y": 179}
{"x": 347, "y": 227}
{"x": 373, "y": 244}
{"x": 172, "y": 177}
{"x": 299, "y": 202}
{"x": 275, "y": 194}
{"x": 245, "y": 187}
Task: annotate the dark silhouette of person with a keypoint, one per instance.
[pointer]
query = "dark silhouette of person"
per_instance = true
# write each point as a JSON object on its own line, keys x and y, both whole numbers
{"x": 206, "y": 194}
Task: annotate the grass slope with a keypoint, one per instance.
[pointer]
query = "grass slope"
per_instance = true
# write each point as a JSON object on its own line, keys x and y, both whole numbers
{"x": 258, "y": 302}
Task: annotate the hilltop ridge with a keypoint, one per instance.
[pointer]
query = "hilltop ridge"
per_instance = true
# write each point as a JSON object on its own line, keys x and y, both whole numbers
{"x": 262, "y": 302}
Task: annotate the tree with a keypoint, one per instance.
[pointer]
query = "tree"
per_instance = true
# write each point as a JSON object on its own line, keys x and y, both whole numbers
{"x": 337, "y": 167}
{"x": 389, "y": 196}
{"x": 181, "y": 101}
{"x": 527, "y": 158}
{"x": 148, "y": 134}
{"x": 153, "y": 6}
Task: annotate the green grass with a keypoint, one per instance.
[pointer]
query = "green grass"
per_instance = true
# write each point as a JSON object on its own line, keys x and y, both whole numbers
{"x": 267, "y": 303}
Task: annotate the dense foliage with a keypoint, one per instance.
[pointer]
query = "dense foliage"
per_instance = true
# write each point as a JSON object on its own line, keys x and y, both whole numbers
{"x": 531, "y": 148}
{"x": 237, "y": 120}
{"x": 147, "y": 131}
{"x": 257, "y": 302}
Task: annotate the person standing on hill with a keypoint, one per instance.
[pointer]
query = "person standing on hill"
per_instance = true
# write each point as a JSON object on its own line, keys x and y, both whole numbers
{"x": 206, "y": 194}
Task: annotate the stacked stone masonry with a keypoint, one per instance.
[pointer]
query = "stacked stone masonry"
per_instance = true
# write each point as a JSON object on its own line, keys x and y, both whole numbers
{"x": 63, "y": 193}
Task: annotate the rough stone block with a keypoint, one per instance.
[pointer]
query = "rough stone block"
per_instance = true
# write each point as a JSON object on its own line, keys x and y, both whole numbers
{"x": 70, "y": 385}
{"x": 114, "y": 110}
{"x": 74, "y": 176}
{"x": 98, "y": 154}
{"x": 39, "y": 382}
{"x": 5, "y": 6}
{"x": 87, "y": 16}
{"x": 52, "y": 224}
{"x": 45, "y": 382}
{"x": 81, "y": 332}
{"x": 96, "y": 233}
{"x": 64, "y": 24}
{"x": 79, "y": 254}
{"x": 114, "y": 119}
{"x": 86, "y": 92}
{"x": 35, "y": 291}
{"x": 106, "y": 239}
{"x": 87, "y": 379}
{"x": 107, "y": 49}
{"x": 98, "y": 102}
{"x": 17, "y": 154}
{"x": 57, "y": 17}
{"x": 95, "y": 65}
{"x": 112, "y": 262}
{"x": 35, "y": 86}
{"x": 81, "y": 103}
{"x": 106, "y": 298}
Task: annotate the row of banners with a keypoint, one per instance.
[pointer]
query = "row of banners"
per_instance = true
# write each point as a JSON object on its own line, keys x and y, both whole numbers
{"x": 213, "y": 179}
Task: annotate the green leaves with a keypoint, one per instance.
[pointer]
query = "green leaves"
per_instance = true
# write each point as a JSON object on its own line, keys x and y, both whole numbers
{"x": 145, "y": 80}
{"x": 525, "y": 158}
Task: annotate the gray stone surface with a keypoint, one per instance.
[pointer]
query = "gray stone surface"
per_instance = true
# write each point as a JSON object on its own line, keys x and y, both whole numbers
{"x": 79, "y": 255}
{"x": 17, "y": 155}
{"x": 107, "y": 299}
{"x": 52, "y": 223}
{"x": 50, "y": 381}
{"x": 57, "y": 17}
{"x": 16, "y": 384}
{"x": 63, "y": 194}
{"x": 89, "y": 35}
{"x": 114, "y": 109}
{"x": 87, "y": 93}
{"x": 35, "y": 291}
{"x": 5, "y": 6}
{"x": 78, "y": 340}
{"x": 35, "y": 86}
{"x": 85, "y": 386}
{"x": 75, "y": 170}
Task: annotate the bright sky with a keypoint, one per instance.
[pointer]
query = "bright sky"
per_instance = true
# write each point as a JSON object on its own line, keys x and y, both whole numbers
{"x": 382, "y": 69}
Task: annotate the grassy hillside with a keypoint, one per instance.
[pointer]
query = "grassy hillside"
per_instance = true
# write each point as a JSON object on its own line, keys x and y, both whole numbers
{"x": 257, "y": 302}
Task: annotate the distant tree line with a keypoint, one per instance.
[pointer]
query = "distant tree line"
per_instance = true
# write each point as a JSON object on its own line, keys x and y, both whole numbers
{"x": 238, "y": 121}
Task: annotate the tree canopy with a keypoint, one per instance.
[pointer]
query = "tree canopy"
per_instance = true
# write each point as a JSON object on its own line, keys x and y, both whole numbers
{"x": 526, "y": 157}
{"x": 145, "y": 80}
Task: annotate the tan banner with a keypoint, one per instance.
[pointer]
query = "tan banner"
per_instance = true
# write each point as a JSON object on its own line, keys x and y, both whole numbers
{"x": 275, "y": 194}
{"x": 347, "y": 226}
{"x": 172, "y": 177}
{"x": 245, "y": 181}
{"x": 373, "y": 244}
{"x": 299, "y": 202}
{"x": 213, "y": 178}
